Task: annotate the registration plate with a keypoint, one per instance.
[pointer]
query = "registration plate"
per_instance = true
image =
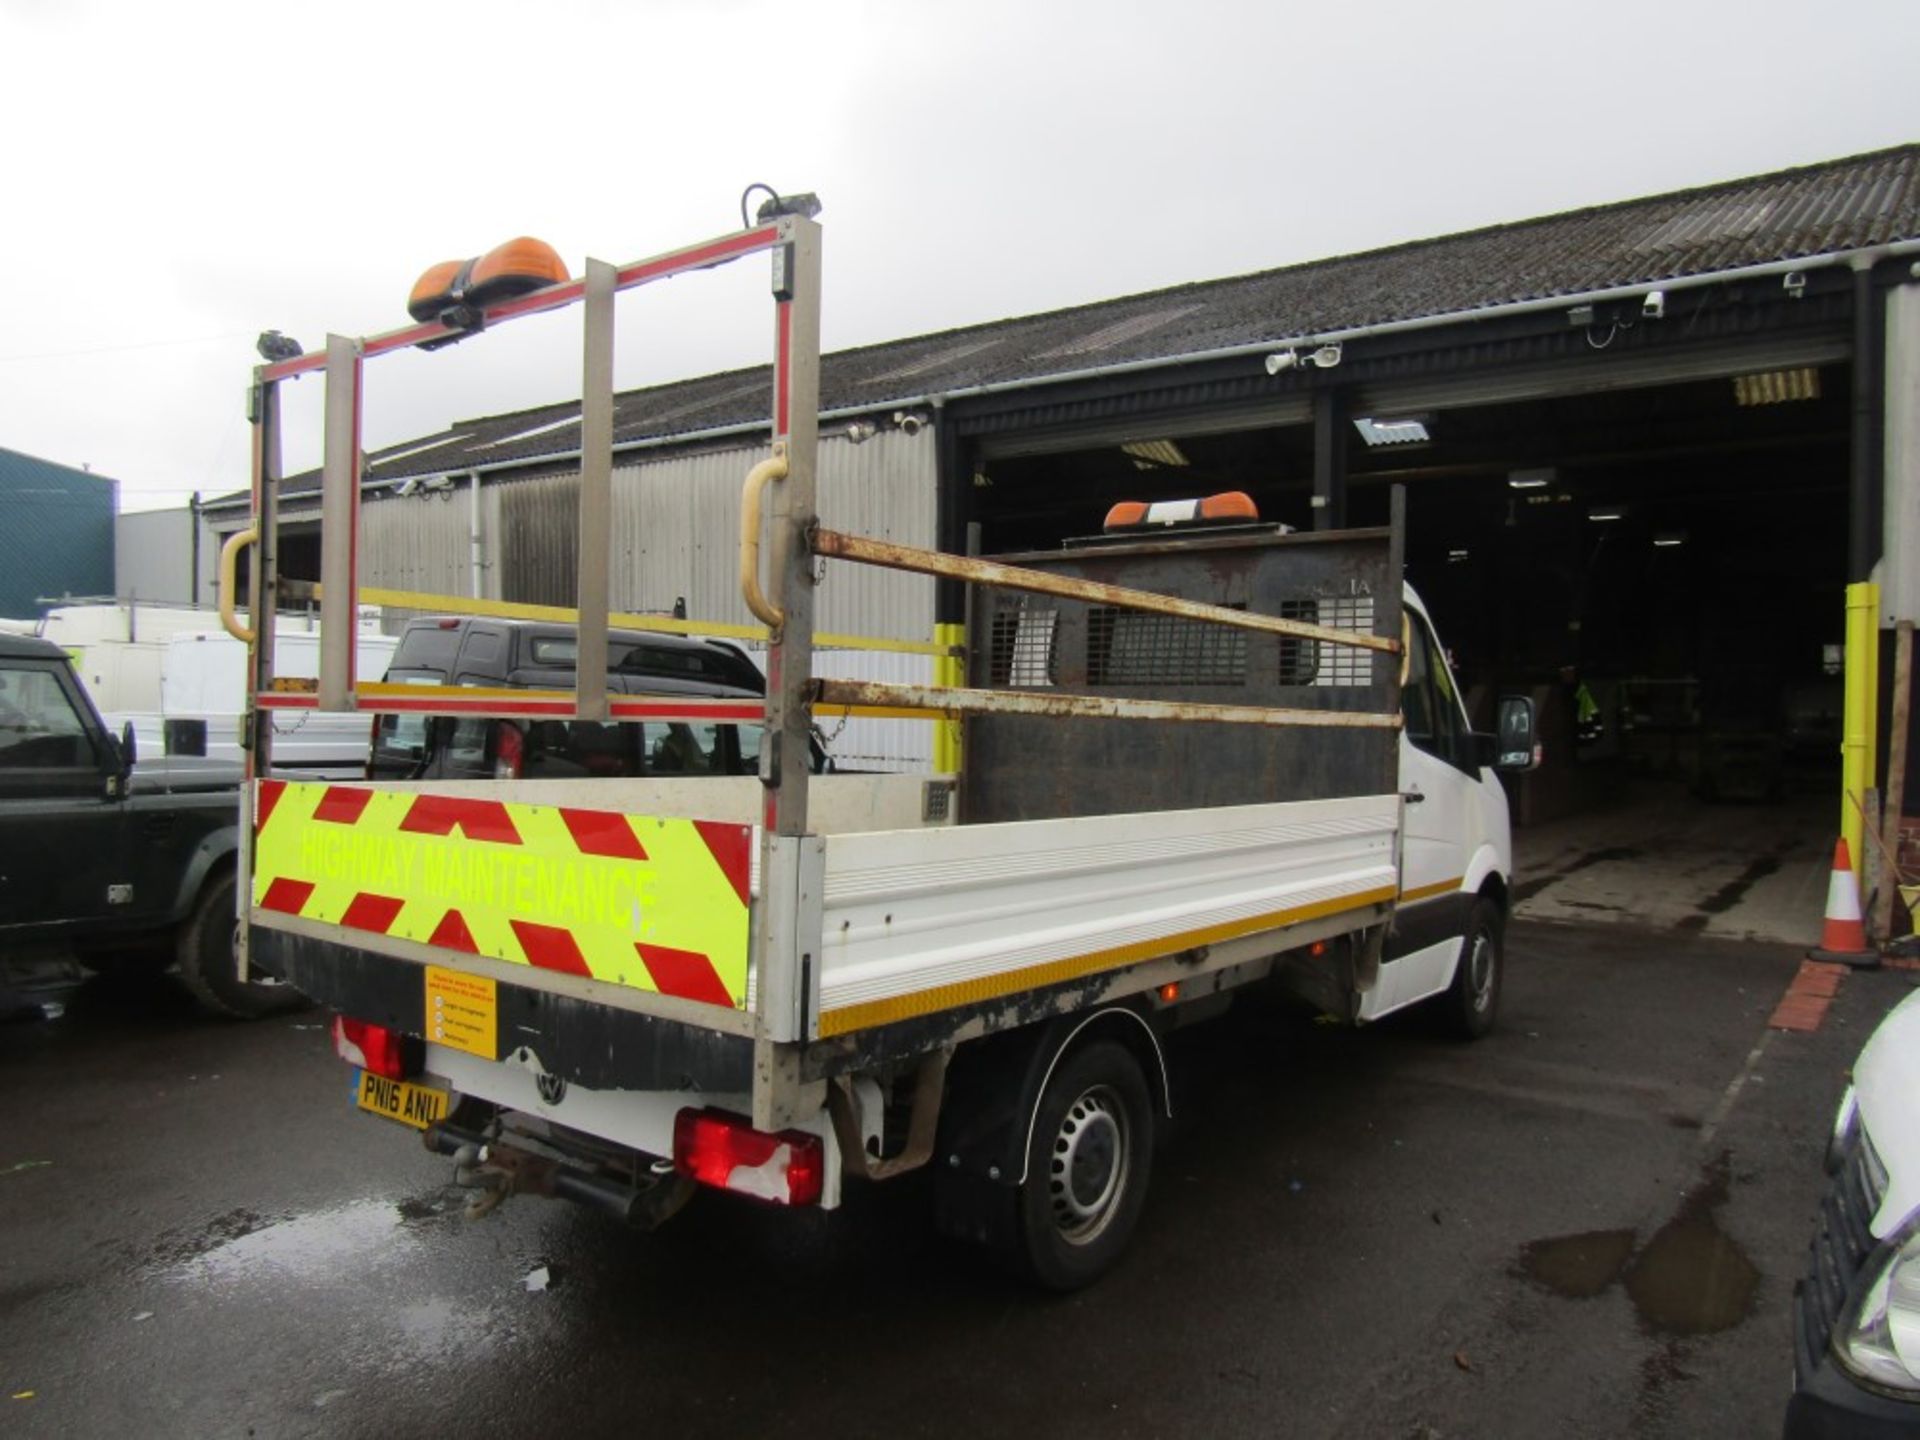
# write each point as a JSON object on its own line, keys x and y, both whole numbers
{"x": 410, "y": 1104}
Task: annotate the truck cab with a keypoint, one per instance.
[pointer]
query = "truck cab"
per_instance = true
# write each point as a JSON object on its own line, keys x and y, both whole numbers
{"x": 107, "y": 861}
{"x": 1457, "y": 850}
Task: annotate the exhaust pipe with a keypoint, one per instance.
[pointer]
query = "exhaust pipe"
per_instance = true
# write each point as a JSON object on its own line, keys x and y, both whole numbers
{"x": 503, "y": 1170}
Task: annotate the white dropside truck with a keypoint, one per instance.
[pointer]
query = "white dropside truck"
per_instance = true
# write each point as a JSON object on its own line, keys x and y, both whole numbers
{"x": 1190, "y": 762}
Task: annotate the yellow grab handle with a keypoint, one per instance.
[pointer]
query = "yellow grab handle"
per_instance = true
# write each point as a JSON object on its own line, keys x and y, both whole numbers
{"x": 774, "y": 467}
{"x": 229, "y": 582}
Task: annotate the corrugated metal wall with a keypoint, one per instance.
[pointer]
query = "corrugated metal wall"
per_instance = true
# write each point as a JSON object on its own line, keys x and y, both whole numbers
{"x": 416, "y": 542}
{"x": 676, "y": 532}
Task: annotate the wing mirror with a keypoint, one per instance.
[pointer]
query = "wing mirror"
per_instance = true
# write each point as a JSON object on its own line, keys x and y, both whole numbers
{"x": 121, "y": 752}
{"x": 1515, "y": 746}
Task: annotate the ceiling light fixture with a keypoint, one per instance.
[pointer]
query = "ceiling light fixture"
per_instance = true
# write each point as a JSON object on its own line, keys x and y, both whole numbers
{"x": 1777, "y": 387}
{"x": 1407, "y": 430}
{"x": 1151, "y": 454}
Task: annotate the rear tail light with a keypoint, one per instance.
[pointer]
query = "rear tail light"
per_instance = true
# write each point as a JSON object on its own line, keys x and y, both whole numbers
{"x": 509, "y": 751}
{"x": 373, "y": 1048}
{"x": 724, "y": 1151}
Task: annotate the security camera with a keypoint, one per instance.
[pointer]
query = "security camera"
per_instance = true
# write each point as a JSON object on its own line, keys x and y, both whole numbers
{"x": 1794, "y": 282}
{"x": 1281, "y": 360}
{"x": 909, "y": 423}
{"x": 407, "y": 486}
{"x": 1654, "y": 306}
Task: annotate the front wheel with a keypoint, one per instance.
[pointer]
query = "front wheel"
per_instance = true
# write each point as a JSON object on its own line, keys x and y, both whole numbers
{"x": 1087, "y": 1166}
{"x": 207, "y": 959}
{"x": 1473, "y": 1000}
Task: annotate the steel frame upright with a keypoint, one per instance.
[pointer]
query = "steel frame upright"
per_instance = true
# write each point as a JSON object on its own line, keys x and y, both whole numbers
{"x": 790, "y": 862}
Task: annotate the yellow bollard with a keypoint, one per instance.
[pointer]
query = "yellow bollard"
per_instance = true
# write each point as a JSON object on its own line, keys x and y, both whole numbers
{"x": 1857, "y": 743}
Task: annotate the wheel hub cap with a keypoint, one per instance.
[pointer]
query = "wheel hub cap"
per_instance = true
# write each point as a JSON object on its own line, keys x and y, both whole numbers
{"x": 1088, "y": 1167}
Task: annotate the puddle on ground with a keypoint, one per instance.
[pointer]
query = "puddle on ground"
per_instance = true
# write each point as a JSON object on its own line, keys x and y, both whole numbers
{"x": 1692, "y": 1279}
{"x": 1578, "y": 1266}
{"x": 1689, "y": 1279}
{"x": 310, "y": 1246}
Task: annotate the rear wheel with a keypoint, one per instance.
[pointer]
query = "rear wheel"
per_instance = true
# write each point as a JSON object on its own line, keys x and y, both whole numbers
{"x": 1470, "y": 1005}
{"x": 207, "y": 960}
{"x": 1087, "y": 1166}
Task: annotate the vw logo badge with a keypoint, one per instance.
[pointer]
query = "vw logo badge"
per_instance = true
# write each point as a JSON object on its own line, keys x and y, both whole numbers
{"x": 553, "y": 1088}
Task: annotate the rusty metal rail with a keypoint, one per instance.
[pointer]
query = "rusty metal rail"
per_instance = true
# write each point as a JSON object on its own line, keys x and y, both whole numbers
{"x": 1106, "y": 707}
{"x": 837, "y": 545}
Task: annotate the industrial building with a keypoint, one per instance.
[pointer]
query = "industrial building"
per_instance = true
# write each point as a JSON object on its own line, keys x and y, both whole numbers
{"x": 1646, "y": 446}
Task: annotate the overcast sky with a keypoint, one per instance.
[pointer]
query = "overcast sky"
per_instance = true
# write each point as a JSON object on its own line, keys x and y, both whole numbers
{"x": 180, "y": 176}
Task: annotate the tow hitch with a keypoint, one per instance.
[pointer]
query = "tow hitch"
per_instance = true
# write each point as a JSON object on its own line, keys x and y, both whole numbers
{"x": 494, "y": 1170}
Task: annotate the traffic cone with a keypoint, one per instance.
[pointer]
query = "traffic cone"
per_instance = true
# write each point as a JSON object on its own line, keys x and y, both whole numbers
{"x": 1843, "y": 939}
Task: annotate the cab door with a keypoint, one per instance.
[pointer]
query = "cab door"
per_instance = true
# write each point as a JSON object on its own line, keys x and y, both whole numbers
{"x": 62, "y": 837}
{"x": 1438, "y": 778}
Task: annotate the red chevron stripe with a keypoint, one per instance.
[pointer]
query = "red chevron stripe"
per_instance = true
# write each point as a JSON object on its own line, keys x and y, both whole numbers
{"x": 600, "y": 832}
{"x": 686, "y": 973}
{"x": 452, "y": 933}
{"x": 550, "y": 948}
{"x": 475, "y": 819}
{"x": 372, "y": 912}
{"x": 732, "y": 850}
{"x": 268, "y": 797}
{"x": 287, "y": 896}
{"x": 341, "y": 805}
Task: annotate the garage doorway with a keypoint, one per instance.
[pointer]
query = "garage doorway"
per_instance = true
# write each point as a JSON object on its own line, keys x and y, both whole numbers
{"x": 1663, "y": 568}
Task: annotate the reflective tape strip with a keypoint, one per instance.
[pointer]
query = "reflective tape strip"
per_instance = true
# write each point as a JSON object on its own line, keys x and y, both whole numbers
{"x": 635, "y": 900}
{"x": 1427, "y": 892}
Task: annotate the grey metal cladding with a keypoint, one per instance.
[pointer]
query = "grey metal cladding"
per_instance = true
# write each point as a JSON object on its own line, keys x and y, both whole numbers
{"x": 57, "y": 539}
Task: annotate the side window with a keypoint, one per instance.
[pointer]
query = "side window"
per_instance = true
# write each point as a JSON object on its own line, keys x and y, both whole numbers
{"x": 402, "y": 737}
{"x": 466, "y": 745}
{"x": 1416, "y": 691}
{"x": 1428, "y": 702}
{"x": 39, "y": 726}
{"x": 678, "y": 747}
{"x": 574, "y": 749}
{"x": 748, "y": 738}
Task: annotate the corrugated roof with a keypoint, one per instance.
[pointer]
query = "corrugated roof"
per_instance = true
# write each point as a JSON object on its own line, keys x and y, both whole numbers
{"x": 1846, "y": 204}
{"x": 58, "y": 535}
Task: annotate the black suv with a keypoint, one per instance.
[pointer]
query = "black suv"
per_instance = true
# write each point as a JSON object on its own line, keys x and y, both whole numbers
{"x": 535, "y": 655}
{"x": 105, "y": 863}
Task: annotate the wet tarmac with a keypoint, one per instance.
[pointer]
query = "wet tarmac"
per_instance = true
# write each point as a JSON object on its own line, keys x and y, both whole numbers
{"x": 1565, "y": 1229}
{"x": 1658, "y": 857}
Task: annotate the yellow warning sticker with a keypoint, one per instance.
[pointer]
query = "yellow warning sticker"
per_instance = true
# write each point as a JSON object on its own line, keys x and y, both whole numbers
{"x": 463, "y": 1012}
